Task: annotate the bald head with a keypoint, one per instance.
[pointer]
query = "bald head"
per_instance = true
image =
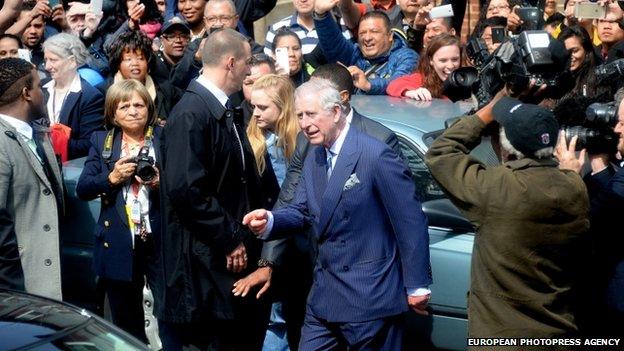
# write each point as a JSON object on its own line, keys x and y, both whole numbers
{"x": 223, "y": 44}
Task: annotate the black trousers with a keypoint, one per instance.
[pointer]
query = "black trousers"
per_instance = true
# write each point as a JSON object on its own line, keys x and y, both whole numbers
{"x": 246, "y": 333}
{"x": 126, "y": 297}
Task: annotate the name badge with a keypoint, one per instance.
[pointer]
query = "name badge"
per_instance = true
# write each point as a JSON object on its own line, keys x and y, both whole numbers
{"x": 135, "y": 216}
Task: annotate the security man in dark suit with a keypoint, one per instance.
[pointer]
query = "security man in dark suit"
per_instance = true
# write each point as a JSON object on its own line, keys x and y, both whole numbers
{"x": 209, "y": 182}
{"x": 293, "y": 257}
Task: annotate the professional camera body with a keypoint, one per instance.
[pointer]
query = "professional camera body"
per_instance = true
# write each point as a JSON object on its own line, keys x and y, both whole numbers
{"x": 145, "y": 165}
{"x": 596, "y": 132}
{"x": 532, "y": 55}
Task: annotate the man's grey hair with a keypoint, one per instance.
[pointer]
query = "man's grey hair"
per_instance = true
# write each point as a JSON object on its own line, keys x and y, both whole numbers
{"x": 546, "y": 152}
{"x": 221, "y": 44}
{"x": 67, "y": 45}
{"x": 619, "y": 96}
{"x": 230, "y": 3}
{"x": 324, "y": 90}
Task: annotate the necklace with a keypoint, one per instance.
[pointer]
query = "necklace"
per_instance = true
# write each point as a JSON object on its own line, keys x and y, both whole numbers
{"x": 132, "y": 146}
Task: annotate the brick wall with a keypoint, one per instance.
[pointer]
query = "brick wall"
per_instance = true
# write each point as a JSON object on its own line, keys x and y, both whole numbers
{"x": 471, "y": 17}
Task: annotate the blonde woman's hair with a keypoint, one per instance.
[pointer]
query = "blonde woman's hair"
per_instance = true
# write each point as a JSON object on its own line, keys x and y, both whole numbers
{"x": 281, "y": 91}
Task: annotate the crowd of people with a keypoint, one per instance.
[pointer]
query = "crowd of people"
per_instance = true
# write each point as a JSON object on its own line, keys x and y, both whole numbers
{"x": 263, "y": 211}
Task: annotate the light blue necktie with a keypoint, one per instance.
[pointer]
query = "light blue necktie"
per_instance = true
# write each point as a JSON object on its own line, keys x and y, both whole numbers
{"x": 330, "y": 156}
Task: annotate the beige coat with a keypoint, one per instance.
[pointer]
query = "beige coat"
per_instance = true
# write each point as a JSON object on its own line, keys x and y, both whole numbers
{"x": 26, "y": 193}
{"x": 531, "y": 221}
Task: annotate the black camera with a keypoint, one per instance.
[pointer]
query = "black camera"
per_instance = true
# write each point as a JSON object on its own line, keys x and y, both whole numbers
{"x": 145, "y": 165}
{"x": 477, "y": 50}
{"x": 532, "y": 18}
{"x": 532, "y": 55}
{"x": 610, "y": 72}
{"x": 596, "y": 132}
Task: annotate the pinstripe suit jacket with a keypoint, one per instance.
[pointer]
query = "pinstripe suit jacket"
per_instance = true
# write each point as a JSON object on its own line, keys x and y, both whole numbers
{"x": 372, "y": 237}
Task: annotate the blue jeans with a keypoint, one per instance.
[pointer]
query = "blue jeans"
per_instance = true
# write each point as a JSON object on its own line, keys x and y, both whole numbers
{"x": 276, "y": 337}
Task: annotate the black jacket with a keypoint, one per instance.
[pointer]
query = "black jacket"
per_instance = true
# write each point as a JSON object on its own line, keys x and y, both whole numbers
{"x": 205, "y": 194}
{"x": 83, "y": 112}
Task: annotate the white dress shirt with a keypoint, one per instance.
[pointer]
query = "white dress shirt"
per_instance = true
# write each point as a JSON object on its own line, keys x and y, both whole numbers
{"x": 54, "y": 112}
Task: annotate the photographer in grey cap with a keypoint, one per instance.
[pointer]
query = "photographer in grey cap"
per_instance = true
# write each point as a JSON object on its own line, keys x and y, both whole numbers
{"x": 531, "y": 219}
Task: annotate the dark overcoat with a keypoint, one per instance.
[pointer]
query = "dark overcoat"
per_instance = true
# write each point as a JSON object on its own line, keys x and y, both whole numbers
{"x": 205, "y": 194}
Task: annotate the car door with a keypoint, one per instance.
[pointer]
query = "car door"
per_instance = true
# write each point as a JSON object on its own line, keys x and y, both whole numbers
{"x": 450, "y": 250}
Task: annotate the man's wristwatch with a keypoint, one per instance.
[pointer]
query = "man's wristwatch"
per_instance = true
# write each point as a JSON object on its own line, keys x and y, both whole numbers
{"x": 265, "y": 263}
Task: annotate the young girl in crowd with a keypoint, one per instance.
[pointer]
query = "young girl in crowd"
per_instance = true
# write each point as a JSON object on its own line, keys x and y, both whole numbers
{"x": 441, "y": 58}
{"x": 272, "y": 130}
{"x": 583, "y": 59}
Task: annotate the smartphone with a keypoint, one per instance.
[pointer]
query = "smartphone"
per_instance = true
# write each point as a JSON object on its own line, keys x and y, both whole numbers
{"x": 24, "y": 54}
{"x": 281, "y": 58}
{"x": 589, "y": 10}
{"x": 96, "y": 6}
{"x": 53, "y": 3}
{"x": 441, "y": 11}
{"x": 498, "y": 34}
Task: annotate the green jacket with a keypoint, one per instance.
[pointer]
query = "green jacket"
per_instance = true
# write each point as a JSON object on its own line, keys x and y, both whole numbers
{"x": 531, "y": 220}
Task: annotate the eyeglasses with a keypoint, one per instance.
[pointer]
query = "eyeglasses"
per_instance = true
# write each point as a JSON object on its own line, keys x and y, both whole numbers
{"x": 214, "y": 19}
{"x": 497, "y": 8}
{"x": 173, "y": 37}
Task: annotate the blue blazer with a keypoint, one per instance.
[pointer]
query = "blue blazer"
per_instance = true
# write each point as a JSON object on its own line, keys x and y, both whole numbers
{"x": 112, "y": 251}
{"x": 373, "y": 242}
{"x": 83, "y": 112}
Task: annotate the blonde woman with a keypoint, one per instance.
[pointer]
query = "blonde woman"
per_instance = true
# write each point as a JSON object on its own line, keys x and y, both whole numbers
{"x": 272, "y": 130}
{"x": 272, "y": 133}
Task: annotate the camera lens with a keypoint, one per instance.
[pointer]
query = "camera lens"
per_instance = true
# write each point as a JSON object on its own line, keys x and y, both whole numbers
{"x": 602, "y": 114}
{"x": 583, "y": 134}
{"x": 145, "y": 171}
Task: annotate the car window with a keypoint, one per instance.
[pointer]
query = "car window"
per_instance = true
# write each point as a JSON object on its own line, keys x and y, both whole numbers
{"x": 426, "y": 186}
{"x": 483, "y": 152}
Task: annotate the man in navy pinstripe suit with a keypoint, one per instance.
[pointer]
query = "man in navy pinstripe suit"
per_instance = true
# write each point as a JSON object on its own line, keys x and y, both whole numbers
{"x": 373, "y": 246}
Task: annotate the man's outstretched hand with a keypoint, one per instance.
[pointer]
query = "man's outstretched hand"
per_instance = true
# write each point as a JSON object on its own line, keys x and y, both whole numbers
{"x": 257, "y": 220}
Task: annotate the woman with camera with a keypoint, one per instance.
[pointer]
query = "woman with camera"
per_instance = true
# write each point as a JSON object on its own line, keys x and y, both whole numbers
{"x": 441, "y": 57}
{"x": 120, "y": 170}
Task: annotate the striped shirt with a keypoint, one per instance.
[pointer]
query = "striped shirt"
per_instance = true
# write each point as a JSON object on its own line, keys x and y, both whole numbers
{"x": 309, "y": 38}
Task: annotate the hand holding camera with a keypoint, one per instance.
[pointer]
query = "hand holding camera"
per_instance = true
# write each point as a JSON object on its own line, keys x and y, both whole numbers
{"x": 141, "y": 167}
{"x": 124, "y": 170}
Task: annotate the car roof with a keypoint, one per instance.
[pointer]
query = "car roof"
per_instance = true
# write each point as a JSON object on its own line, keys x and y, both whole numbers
{"x": 20, "y": 306}
{"x": 27, "y": 320}
{"x": 401, "y": 113}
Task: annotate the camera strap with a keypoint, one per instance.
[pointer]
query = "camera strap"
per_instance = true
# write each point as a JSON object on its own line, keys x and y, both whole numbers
{"x": 110, "y": 136}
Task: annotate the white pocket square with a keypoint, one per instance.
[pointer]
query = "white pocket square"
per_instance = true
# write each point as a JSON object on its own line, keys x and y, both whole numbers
{"x": 351, "y": 182}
